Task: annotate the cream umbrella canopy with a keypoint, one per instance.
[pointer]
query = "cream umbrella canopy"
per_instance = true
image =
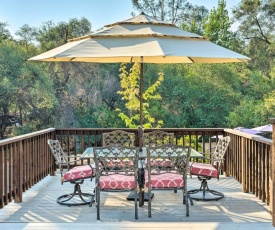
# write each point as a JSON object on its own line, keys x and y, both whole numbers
{"x": 141, "y": 39}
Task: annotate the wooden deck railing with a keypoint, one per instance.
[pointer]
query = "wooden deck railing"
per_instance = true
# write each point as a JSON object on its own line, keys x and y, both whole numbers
{"x": 248, "y": 160}
{"x": 25, "y": 160}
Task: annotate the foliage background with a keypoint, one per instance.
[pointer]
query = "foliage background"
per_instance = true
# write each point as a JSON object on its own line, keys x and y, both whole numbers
{"x": 41, "y": 95}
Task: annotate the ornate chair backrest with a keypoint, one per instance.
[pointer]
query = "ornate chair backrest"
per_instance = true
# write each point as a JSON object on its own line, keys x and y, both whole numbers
{"x": 118, "y": 138}
{"x": 61, "y": 158}
{"x": 157, "y": 138}
{"x": 168, "y": 158}
{"x": 217, "y": 157}
{"x": 116, "y": 159}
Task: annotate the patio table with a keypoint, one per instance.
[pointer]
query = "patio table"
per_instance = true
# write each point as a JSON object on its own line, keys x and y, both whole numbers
{"x": 89, "y": 154}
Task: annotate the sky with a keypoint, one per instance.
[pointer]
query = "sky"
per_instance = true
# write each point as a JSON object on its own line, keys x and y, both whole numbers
{"x": 99, "y": 12}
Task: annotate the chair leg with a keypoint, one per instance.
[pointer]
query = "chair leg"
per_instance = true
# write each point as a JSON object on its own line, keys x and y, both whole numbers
{"x": 98, "y": 202}
{"x": 62, "y": 200}
{"x": 92, "y": 200}
{"x": 149, "y": 203}
{"x": 190, "y": 199}
{"x": 141, "y": 182}
{"x": 204, "y": 189}
{"x": 184, "y": 198}
{"x": 187, "y": 203}
{"x": 85, "y": 197}
{"x": 140, "y": 198}
{"x": 136, "y": 205}
{"x": 203, "y": 185}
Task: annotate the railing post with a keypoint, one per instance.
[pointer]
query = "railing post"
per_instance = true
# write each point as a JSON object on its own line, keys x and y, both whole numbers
{"x": 53, "y": 165}
{"x": 272, "y": 174}
{"x": 52, "y": 136}
{"x": 2, "y": 178}
{"x": 19, "y": 173}
{"x": 244, "y": 163}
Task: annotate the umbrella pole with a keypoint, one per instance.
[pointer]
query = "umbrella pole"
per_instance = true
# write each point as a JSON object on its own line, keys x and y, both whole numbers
{"x": 141, "y": 93}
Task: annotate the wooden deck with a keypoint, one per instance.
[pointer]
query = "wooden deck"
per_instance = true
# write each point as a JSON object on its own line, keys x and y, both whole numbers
{"x": 39, "y": 210}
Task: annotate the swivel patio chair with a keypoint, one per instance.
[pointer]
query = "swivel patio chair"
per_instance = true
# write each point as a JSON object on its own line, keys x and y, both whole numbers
{"x": 167, "y": 168}
{"x": 116, "y": 170}
{"x": 75, "y": 176}
{"x": 207, "y": 171}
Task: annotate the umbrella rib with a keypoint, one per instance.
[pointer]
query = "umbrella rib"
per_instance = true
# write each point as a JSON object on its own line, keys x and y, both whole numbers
{"x": 191, "y": 59}
{"x": 96, "y": 36}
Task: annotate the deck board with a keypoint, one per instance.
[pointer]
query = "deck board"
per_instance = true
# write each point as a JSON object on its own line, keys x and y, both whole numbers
{"x": 39, "y": 208}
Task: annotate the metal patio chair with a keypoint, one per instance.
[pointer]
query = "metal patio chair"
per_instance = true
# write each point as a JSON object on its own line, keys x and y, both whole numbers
{"x": 207, "y": 171}
{"x": 157, "y": 138}
{"x": 116, "y": 170}
{"x": 167, "y": 168}
{"x": 75, "y": 176}
{"x": 118, "y": 137}
{"x": 151, "y": 139}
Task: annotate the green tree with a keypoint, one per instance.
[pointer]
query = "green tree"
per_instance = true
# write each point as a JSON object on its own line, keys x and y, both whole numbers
{"x": 27, "y": 36}
{"x": 93, "y": 95}
{"x": 217, "y": 24}
{"x": 4, "y": 32}
{"x": 50, "y": 35}
{"x": 196, "y": 95}
{"x": 243, "y": 115}
{"x": 256, "y": 26}
{"x": 22, "y": 92}
{"x": 164, "y": 10}
{"x": 11, "y": 61}
{"x": 193, "y": 19}
{"x": 252, "y": 113}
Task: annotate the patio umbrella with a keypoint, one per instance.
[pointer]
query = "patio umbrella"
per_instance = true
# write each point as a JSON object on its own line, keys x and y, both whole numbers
{"x": 141, "y": 39}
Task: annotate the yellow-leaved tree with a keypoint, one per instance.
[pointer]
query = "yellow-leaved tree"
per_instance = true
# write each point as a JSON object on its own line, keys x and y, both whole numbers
{"x": 130, "y": 83}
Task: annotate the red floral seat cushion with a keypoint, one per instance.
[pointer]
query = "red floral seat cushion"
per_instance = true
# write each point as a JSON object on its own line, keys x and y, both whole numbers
{"x": 165, "y": 180}
{"x": 78, "y": 172}
{"x": 117, "y": 182}
{"x": 201, "y": 169}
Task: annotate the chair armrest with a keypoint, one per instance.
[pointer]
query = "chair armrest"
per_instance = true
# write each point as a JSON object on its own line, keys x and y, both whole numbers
{"x": 204, "y": 155}
{"x": 74, "y": 156}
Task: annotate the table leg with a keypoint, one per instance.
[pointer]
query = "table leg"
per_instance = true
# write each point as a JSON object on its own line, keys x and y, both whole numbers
{"x": 141, "y": 184}
{"x": 142, "y": 196}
